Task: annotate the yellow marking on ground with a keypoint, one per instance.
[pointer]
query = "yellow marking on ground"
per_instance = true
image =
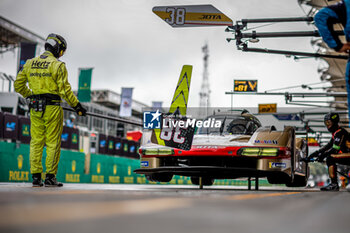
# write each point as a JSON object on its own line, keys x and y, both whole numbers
{"x": 256, "y": 196}
{"x": 38, "y": 213}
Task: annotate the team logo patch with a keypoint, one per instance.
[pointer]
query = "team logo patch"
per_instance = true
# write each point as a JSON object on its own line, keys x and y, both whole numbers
{"x": 152, "y": 120}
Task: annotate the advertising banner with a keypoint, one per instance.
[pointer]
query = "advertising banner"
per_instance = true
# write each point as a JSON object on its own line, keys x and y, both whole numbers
{"x": 27, "y": 51}
{"x": 126, "y": 102}
{"x": 84, "y": 91}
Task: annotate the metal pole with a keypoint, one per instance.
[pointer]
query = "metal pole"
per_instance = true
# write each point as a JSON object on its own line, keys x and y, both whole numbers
{"x": 294, "y": 94}
{"x": 284, "y": 34}
{"x": 278, "y": 20}
{"x": 293, "y": 53}
{"x": 107, "y": 117}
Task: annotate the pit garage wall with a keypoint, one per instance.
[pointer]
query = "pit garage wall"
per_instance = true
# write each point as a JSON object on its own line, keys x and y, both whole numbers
{"x": 76, "y": 167}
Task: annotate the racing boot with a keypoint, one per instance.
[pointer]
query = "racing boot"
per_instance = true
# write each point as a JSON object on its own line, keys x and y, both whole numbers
{"x": 37, "y": 180}
{"x": 50, "y": 181}
{"x": 331, "y": 187}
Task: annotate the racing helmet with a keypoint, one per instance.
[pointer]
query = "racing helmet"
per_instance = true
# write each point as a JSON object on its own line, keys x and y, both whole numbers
{"x": 56, "y": 44}
{"x": 72, "y": 117}
{"x": 331, "y": 121}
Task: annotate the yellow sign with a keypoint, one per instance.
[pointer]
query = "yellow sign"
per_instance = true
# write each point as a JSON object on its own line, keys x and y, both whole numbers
{"x": 267, "y": 108}
{"x": 245, "y": 86}
{"x": 192, "y": 16}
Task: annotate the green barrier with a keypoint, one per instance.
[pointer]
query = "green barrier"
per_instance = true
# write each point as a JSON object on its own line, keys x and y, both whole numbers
{"x": 14, "y": 163}
{"x": 113, "y": 169}
{"x": 14, "y": 167}
{"x": 71, "y": 167}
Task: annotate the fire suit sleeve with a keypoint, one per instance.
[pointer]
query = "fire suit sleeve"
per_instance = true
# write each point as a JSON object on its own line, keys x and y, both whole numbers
{"x": 21, "y": 83}
{"x": 64, "y": 88}
{"x": 339, "y": 140}
{"x": 324, "y": 21}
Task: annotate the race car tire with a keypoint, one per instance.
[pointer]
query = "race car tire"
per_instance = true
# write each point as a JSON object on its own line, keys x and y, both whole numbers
{"x": 206, "y": 181}
{"x": 299, "y": 181}
{"x": 276, "y": 180}
{"x": 160, "y": 177}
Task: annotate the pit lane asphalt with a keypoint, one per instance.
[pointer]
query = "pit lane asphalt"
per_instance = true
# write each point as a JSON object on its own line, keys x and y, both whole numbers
{"x": 170, "y": 209}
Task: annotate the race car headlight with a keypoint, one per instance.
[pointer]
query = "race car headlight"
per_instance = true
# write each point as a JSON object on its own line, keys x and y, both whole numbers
{"x": 157, "y": 151}
{"x": 256, "y": 151}
{"x": 165, "y": 151}
{"x": 269, "y": 152}
{"x": 150, "y": 151}
{"x": 250, "y": 151}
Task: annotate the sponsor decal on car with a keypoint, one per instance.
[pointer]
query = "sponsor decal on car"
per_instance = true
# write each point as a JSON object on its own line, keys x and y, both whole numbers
{"x": 266, "y": 141}
{"x": 207, "y": 147}
{"x": 144, "y": 163}
{"x": 277, "y": 165}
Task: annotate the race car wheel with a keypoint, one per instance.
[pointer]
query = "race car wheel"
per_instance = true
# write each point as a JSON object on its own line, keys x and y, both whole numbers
{"x": 276, "y": 180}
{"x": 206, "y": 181}
{"x": 299, "y": 181}
{"x": 159, "y": 177}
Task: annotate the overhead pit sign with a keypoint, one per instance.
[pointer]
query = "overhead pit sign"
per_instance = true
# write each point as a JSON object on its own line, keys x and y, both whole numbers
{"x": 245, "y": 85}
{"x": 192, "y": 16}
{"x": 267, "y": 108}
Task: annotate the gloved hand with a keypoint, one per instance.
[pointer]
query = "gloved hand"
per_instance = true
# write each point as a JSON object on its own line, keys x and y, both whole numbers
{"x": 321, "y": 157}
{"x": 80, "y": 110}
{"x": 305, "y": 160}
{"x": 308, "y": 159}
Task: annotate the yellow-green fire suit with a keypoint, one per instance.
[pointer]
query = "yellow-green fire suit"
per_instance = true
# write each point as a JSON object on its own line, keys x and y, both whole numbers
{"x": 45, "y": 74}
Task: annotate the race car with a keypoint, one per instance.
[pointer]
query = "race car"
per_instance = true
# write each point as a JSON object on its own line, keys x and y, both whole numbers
{"x": 237, "y": 147}
{"x": 243, "y": 149}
